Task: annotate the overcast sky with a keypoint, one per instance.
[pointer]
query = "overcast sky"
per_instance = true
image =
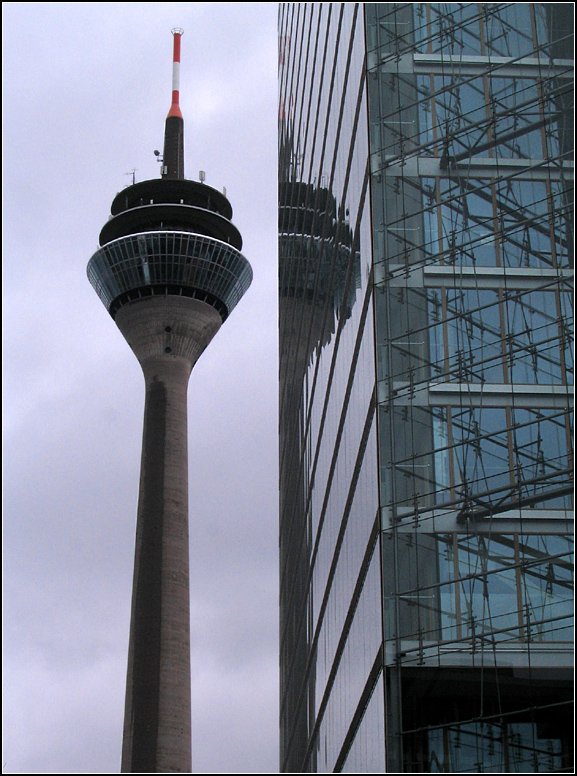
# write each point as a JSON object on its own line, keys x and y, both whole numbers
{"x": 86, "y": 91}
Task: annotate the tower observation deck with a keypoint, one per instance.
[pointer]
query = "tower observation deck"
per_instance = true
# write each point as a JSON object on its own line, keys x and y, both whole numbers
{"x": 169, "y": 271}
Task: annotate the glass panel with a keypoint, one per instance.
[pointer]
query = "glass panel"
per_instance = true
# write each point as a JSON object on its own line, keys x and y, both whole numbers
{"x": 487, "y": 588}
{"x": 328, "y": 469}
{"x": 367, "y": 752}
{"x": 506, "y": 588}
{"x": 493, "y": 747}
{"x": 490, "y": 336}
{"x": 547, "y": 587}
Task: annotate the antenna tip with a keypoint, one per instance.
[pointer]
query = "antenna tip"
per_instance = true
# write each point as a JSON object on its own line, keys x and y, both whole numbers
{"x": 177, "y": 31}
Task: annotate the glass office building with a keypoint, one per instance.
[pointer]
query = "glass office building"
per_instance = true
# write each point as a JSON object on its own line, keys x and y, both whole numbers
{"x": 425, "y": 320}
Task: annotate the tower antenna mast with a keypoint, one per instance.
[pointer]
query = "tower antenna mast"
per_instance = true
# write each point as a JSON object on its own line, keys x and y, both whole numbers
{"x": 173, "y": 158}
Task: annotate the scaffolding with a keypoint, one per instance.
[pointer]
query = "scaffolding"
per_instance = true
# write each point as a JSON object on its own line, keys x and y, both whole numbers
{"x": 471, "y": 162}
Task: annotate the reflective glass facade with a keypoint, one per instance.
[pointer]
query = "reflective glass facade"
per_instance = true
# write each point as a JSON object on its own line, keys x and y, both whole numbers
{"x": 425, "y": 214}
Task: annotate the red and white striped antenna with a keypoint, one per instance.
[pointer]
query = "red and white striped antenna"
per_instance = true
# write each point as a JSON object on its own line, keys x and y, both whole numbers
{"x": 173, "y": 158}
{"x": 177, "y": 33}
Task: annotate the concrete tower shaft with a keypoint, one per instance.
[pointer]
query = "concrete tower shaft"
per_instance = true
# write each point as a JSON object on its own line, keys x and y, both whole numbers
{"x": 169, "y": 271}
{"x": 167, "y": 335}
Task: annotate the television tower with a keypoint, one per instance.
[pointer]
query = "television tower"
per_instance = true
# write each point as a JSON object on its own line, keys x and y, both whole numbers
{"x": 169, "y": 271}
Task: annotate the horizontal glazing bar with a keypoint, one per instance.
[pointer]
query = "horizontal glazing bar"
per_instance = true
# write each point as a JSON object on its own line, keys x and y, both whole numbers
{"x": 409, "y": 519}
{"x": 506, "y": 67}
{"x": 430, "y": 166}
{"x": 441, "y": 276}
{"x": 476, "y": 394}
